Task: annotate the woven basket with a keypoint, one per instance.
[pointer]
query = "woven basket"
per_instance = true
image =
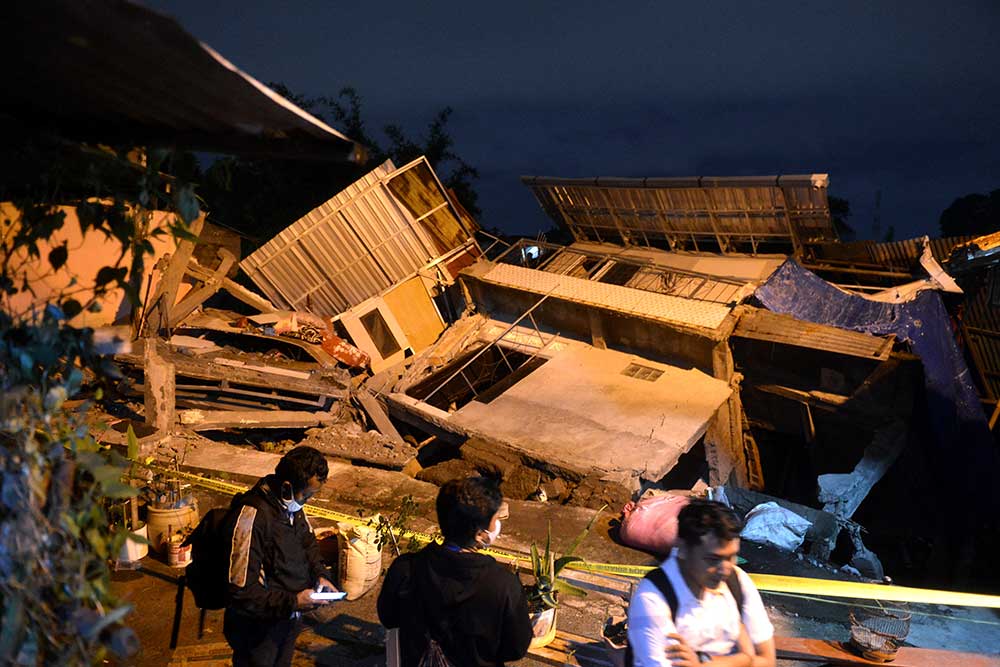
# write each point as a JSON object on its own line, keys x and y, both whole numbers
{"x": 878, "y": 632}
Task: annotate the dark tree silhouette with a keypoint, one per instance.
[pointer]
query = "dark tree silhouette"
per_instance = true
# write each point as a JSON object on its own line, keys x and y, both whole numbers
{"x": 260, "y": 196}
{"x": 975, "y": 214}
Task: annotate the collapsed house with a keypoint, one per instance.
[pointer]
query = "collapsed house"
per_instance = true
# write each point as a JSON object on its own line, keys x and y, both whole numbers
{"x": 680, "y": 336}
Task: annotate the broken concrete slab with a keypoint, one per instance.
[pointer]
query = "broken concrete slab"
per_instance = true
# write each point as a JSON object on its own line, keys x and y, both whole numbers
{"x": 583, "y": 410}
{"x": 843, "y": 493}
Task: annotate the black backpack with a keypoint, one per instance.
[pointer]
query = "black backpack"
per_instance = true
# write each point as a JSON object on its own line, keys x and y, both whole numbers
{"x": 659, "y": 579}
{"x": 208, "y": 573}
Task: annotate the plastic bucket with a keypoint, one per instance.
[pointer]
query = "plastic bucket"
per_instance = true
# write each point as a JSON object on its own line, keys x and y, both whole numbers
{"x": 161, "y": 522}
{"x": 132, "y": 551}
{"x": 178, "y": 555}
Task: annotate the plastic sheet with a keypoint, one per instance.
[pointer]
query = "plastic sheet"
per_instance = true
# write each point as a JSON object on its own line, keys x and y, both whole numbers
{"x": 956, "y": 416}
{"x": 770, "y": 523}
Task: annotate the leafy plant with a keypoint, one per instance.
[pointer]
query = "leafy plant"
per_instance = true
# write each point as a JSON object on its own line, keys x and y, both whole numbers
{"x": 388, "y": 528}
{"x": 546, "y": 567}
{"x": 56, "y": 538}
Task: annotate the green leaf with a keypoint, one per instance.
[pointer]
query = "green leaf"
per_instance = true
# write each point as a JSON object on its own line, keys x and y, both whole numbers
{"x": 564, "y": 561}
{"x": 113, "y": 616}
{"x": 536, "y": 562}
{"x": 549, "y": 599}
{"x": 586, "y": 531}
{"x": 97, "y": 542}
{"x": 569, "y": 589}
{"x": 133, "y": 444}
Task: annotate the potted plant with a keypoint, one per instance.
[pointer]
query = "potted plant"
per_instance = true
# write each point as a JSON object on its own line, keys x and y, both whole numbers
{"x": 543, "y": 594}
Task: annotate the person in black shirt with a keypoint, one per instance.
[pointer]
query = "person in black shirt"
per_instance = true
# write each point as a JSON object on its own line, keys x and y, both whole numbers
{"x": 449, "y": 598}
{"x": 274, "y": 563}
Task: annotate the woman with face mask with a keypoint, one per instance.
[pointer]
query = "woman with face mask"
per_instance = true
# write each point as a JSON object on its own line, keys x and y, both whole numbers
{"x": 452, "y": 604}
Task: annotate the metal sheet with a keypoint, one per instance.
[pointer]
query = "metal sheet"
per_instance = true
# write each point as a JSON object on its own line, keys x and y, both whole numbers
{"x": 753, "y": 215}
{"x": 764, "y": 325}
{"x": 357, "y": 244}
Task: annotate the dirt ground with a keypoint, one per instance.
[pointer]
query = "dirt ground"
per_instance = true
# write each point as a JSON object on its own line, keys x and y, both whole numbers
{"x": 348, "y": 632}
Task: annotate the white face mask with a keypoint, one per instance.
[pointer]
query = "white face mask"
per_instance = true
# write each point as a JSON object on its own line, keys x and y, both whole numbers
{"x": 291, "y": 505}
{"x": 492, "y": 535}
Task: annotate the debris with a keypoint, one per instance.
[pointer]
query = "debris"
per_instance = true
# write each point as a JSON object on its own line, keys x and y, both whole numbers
{"x": 377, "y": 415}
{"x": 347, "y": 441}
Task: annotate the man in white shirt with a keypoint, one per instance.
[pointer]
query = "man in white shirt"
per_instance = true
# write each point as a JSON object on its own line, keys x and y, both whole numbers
{"x": 700, "y": 575}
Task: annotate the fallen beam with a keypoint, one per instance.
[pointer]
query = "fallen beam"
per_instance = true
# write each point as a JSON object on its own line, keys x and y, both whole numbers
{"x": 208, "y": 420}
{"x": 253, "y": 300}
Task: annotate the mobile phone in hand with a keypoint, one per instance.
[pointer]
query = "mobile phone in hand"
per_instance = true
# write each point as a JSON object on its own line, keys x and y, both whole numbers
{"x": 328, "y": 595}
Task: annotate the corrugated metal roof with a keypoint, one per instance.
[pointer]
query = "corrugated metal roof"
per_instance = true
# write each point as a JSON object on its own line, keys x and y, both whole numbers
{"x": 650, "y": 305}
{"x": 117, "y": 72}
{"x": 761, "y": 324}
{"x": 369, "y": 237}
{"x": 752, "y": 214}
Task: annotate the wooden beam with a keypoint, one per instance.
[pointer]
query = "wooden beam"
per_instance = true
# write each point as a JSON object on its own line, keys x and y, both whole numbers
{"x": 158, "y": 311}
{"x": 207, "y": 420}
{"x": 252, "y": 299}
{"x": 378, "y": 415}
{"x": 198, "y": 296}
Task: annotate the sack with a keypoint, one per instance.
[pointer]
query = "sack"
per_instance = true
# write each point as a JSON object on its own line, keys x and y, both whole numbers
{"x": 208, "y": 574}
{"x": 651, "y": 524}
{"x": 360, "y": 559}
{"x": 770, "y": 523}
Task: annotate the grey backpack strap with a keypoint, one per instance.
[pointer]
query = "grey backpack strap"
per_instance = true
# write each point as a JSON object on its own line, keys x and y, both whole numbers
{"x": 736, "y": 588}
{"x": 659, "y": 579}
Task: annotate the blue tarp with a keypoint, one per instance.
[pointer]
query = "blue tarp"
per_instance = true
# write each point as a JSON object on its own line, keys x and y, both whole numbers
{"x": 954, "y": 410}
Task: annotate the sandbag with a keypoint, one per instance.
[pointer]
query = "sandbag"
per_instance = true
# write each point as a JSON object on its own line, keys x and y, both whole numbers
{"x": 360, "y": 559}
{"x": 651, "y": 523}
{"x": 770, "y": 523}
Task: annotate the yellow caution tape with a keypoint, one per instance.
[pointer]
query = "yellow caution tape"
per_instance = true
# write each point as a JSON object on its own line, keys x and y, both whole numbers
{"x": 774, "y": 583}
{"x": 881, "y": 607}
{"x": 778, "y": 583}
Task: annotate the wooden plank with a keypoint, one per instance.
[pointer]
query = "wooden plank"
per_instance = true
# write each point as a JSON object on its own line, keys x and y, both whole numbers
{"x": 378, "y": 415}
{"x": 252, "y": 299}
{"x": 206, "y": 369}
{"x": 573, "y": 650}
{"x": 271, "y": 370}
{"x": 832, "y": 652}
{"x": 198, "y": 296}
{"x": 759, "y": 324}
{"x": 206, "y": 420}
{"x": 158, "y": 313}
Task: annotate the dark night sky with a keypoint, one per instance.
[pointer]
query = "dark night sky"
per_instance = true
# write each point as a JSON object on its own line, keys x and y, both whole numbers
{"x": 902, "y": 97}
